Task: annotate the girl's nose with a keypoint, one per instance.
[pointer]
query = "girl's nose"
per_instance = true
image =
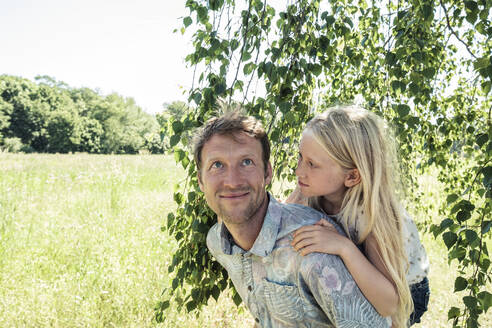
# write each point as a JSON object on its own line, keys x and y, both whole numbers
{"x": 299, "y": 171}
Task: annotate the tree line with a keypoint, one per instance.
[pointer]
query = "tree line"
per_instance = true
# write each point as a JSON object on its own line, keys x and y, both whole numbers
{"x": 49, "y": 116}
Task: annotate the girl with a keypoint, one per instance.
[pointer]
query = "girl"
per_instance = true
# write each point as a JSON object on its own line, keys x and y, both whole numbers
{"x": 346, "y": 169}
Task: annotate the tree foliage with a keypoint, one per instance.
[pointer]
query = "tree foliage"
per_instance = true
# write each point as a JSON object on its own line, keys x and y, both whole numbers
{"x": 424, "y": 65}
{"x": 49, "y": 116}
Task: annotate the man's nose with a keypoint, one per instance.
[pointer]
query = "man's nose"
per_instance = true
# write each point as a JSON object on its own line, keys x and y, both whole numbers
{"x": 233, "y": 178}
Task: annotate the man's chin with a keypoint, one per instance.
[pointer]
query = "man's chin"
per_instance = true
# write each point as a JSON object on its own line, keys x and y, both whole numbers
{"x": 234, "y": 218}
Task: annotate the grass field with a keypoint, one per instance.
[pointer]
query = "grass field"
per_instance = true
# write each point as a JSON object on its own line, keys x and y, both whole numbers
{"x": 81, "y": 245}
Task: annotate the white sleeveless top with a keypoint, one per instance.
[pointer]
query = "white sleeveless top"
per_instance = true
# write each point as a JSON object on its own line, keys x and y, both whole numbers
{"x": 417, "y": 257}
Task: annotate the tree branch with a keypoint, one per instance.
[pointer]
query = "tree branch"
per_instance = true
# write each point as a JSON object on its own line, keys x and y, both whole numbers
{"x": 448, "y": 23}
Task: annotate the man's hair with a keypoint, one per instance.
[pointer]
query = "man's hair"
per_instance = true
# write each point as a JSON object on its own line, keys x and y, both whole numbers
{"x": 230, "y": 124}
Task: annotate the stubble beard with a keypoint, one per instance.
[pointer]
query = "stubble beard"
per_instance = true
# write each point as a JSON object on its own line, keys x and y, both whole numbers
{"x": 247, "y": 214}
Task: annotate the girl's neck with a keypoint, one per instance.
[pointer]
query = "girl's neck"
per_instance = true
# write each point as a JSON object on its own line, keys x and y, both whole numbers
{"x": 331, "y": 207}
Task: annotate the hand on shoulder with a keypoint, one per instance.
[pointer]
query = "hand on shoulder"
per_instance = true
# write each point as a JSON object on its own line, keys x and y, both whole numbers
{"x": 321, "y": 237}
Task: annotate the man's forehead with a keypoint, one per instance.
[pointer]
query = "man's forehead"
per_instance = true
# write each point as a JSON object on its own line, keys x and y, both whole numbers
{"x": 227, "y": 145}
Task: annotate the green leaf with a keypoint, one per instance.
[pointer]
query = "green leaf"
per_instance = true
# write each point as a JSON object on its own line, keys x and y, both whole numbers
{"x": 471, "y": 11}
{"x": 215, "y": 4}
{"x": 390, "y": 59}
{"x": 449, "y": 238}
{"x": 236, "y": 298}
{"x": 445, "y": 223}
{"x": 480, "y": 63}
{"x": 485, "y": 265}
{"x": 487, "y": 176}
{"x": 173, "y": 141}
{"x": 202, "y": 14}
{"x": 485, "y": 299}
{"x": 164, "y": 305}
{"x": 317, "y": 69}
{"x": 416, "y": 77}
{"x": 486, "y": 86}
{"x": 175, "y": 283}
{"x": 290, "y": 118}
{"x": 486, "y": 225}
{"x": 451, "y": 198}
{"x": 246, "y": 56}
{"x": 471, "y": 236}
{"x": 215, "y": 292}
{"x": 284, "y": 107}
{"x": 460, "y": 284}
{"x": 330, "y": 20}
{"x": 470, "y": 302}
{"x": 248, "y": 68}
{"x": 453, "y": 312}
{"x": 177, "y": 127}
{"x": 403, "y": 110}
{"x": 197, "y": 97}
{"x": 429, "y": 72}
{"x": 220, "y": 88}
{"x": 482, "y": 139}
{"x": 428, "y": 12}
{"x": 187, "y": 21}
{"x": 398, "y": 86}
{"x": 463, "y": 215}
{"x": 178, "y": 198}
{"x": 234, "y": 44}
{"x": 190, "y": 306}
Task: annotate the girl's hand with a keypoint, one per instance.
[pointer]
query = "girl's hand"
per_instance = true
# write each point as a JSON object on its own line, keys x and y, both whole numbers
{"x": 321, "y": 237}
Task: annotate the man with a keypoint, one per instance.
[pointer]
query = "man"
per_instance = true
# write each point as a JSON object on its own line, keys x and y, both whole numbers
{"x": 252, "y": 238}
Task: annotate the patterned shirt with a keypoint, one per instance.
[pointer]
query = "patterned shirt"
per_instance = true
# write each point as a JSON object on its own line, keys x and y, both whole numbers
{"x": 280, "y": 287}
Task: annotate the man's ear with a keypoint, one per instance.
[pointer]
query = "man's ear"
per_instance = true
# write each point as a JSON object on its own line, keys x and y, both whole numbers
{"x": 199, "y": 176}
{"x": 268, "y": 174}
{"x": 352, "y": 178}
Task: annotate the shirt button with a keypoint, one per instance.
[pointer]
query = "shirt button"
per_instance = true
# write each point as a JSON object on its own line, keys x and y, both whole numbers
{"x": 250, "y": 288}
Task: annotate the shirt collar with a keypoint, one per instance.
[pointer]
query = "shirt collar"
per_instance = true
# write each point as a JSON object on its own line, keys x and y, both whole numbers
{"x": 267, "y": 237}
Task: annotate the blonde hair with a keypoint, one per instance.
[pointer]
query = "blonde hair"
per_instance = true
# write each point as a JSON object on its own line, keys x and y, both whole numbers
{"x": 356, "y": 138}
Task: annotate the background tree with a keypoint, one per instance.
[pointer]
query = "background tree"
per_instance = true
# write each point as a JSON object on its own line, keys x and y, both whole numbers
{"x": 170, "y": 119}
{"x": 423, "y": 65}
{"x": 50, "y": 116}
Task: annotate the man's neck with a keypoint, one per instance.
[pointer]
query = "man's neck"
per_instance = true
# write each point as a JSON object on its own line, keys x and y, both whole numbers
{"x": 245, "y": 234}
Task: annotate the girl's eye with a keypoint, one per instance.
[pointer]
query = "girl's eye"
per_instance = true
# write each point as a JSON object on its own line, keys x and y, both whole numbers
{"x": 247, "y": 162}
{"x": 311, "y": 164}
{"x": 216, "y": 165}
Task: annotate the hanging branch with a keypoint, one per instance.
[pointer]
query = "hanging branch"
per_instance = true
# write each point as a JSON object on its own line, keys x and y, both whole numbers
{"x": 448, "y": 23}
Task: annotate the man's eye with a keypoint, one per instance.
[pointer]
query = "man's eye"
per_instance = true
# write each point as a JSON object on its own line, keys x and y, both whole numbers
{"x": 216, "y": 165}
{"x": 311, "y": 164}
{"x": 247, "y": 162}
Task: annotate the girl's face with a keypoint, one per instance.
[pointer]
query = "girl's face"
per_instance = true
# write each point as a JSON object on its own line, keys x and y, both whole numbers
{"x": 317, "y": 174}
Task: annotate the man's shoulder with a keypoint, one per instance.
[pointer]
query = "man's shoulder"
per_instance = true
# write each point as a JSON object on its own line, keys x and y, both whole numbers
{"x": 295, "y": 216}
{"x": 213, "y": 238}
{"x": 300, "y": 213}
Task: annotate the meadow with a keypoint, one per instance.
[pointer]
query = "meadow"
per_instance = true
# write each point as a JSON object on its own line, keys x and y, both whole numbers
{"x": 81, "y": 245}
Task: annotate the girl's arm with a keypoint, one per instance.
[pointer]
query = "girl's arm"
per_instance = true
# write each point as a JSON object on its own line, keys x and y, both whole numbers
{"x": 374, "y": 284}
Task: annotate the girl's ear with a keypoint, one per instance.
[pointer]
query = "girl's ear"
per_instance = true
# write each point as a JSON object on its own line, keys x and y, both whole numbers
{"x": 352, "y": 178}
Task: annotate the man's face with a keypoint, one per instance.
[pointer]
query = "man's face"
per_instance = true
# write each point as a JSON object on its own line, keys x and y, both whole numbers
{"x": 233, "y": 177}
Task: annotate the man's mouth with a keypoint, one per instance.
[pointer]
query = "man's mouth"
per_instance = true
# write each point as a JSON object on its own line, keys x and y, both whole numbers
{"x": 235, "y": 195}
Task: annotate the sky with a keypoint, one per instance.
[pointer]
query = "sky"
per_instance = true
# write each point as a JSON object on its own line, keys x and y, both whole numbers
{"x": 124, "y": 46}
